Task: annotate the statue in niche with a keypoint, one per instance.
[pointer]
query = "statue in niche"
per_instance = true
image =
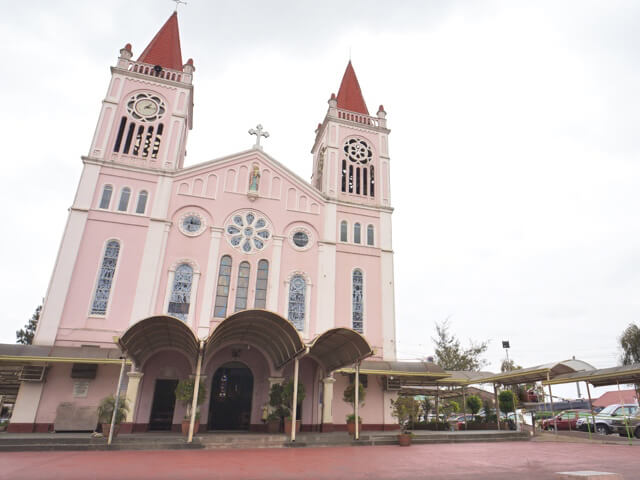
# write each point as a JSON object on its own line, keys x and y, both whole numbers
{"x": 254, "y": 179}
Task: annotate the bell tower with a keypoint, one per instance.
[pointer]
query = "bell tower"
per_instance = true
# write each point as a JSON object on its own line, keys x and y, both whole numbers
{"x": 350, "y": 153}
{"x": 148, "y": 109}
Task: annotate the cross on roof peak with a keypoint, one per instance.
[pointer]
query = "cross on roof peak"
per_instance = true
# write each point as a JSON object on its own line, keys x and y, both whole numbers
{"x": 258, "y": 132}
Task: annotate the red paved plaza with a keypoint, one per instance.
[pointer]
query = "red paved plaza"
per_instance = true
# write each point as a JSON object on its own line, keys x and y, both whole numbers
{"x": 508, "y": 460}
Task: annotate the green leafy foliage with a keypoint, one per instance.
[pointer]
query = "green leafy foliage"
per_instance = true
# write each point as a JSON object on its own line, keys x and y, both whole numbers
{"x": 407, "y": 410}
{"x": 630, "y": 344}
{"x": 184, "y": 394}
{"x": 507, "y": 401}
{"x": 349, "y": 395}
{"x": 105, "y": 409}
{"x": 474, "y": 404}
{"x": 287, "y": 396}
{"x": 450, "y": 355}
{"x": 25, "y": 335}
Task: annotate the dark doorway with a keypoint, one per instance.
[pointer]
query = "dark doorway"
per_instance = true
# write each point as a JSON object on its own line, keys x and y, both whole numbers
{"x": 164, "y": 402}
{"x": 231, "y": 392}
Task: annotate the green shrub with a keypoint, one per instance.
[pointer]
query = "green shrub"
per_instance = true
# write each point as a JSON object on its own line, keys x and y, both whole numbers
{"x": 474, "y": 404}
{"x": 184, "y": 394}
{"x": 507, "y": 401}
{"x": 406, "y": 410}
{"x": 105, "y": 409}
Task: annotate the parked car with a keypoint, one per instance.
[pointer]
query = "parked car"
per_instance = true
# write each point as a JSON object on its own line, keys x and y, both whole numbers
{"x": 460, "y": 421}
{"x": 632, "y": 422}
{"x": 605, "y": 418}
{"x": 565, "y": 420}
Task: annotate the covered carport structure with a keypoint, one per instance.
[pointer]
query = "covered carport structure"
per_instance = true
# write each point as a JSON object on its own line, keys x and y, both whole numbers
{"x": 268, "y": 331}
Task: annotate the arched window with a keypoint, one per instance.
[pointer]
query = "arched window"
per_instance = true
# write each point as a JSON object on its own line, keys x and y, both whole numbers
{"x": 181, "y": 292}
{"x": 222, "y": 292}
{"x": 242, "y": 289}
{"x": 297, "y": 293}
{"x": 344, "y": 175}
{"x": 261, "y": 284}
{"x": 371, "y": 182}
{"x": 142, "y": 201}
{"x": 105, "y": 200}
{"x": 124, "y": 199}
{"x": 105, "y": 278}
{"x": 343, "y": 231}
{"x": 356, "y": 233}
{"x": 370, "y": 235}
{"x": 116, "y": 146}
{"x": 356, "y": 314}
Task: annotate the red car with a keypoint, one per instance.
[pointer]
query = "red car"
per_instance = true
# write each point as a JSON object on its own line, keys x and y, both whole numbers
{"x": 565, "y": 420}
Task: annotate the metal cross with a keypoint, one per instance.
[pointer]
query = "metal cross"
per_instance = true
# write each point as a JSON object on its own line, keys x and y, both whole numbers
{"x": 178, "y": 2}
{"x": 258, "y": 133}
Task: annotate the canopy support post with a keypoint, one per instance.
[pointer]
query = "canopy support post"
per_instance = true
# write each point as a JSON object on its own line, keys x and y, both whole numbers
{"x": 495, "y": 395}
{"x": 464, "y": 407}
{"x": 116, "y": 402}
{"x": 357, "y": 398}
{"x": 437, "y": 404}
{"x": 294, "y": 407}
{"x": 196, "y": 391}
{"x": 626, "y": 421}
{"x": 593, "y": 415}
{"x": 555, "y": 419}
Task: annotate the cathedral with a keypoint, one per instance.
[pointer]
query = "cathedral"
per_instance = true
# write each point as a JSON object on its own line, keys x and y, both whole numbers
{"x": 234, "y": 270}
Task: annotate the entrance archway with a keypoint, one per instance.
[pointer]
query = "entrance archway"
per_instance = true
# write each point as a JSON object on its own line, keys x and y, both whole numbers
{"x": 231, "y": 394}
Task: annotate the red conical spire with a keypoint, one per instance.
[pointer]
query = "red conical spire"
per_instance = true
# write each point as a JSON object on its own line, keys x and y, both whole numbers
{"x": 350, "y": 96}
{"x": 164, "y": 49}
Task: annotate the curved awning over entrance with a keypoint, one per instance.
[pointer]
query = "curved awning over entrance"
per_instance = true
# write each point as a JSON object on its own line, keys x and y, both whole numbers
{"x": 338, "y": 348}
{"x": 268, "y": 331}
{"x": 143, "y": 339}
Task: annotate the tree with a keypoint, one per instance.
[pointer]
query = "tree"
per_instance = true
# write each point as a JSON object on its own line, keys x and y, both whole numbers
{"x": 509, "y": 365}
{"x": 507, "y": 400}
{"x": 474, "y": 404}
{"x": 427, "y": 405}
{"x": 630, "y": 343}
{"x": 25, "y": 335}
{"x": 450, "y": 355}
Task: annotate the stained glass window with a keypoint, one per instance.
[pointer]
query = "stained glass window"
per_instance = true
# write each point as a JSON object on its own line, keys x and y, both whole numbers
{"x": 261, "y": 284}
{"x": 356, "y": 316}
{"x": 181, "y": 292}
{"x": 142, "y": 202}
{"x": 106, "y": 196}
{"x": 356, "y": 233}
{"x": 105, "y": 278}
{"x": 370, "y": 235}
{"x": 242, "y": 289}
{"x": 343, "y": 231}
{"x": 124, "y": 199}
{"x": 248, "y": 232}
{"x": 222, "y": 292}
{"x": 297, "y": 292}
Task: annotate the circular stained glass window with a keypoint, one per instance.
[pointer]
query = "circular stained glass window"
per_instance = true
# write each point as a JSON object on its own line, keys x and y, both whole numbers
{"x": 191, "y": 224}
{"x": 300, "y": 239}
{"x": 248, "y": 232}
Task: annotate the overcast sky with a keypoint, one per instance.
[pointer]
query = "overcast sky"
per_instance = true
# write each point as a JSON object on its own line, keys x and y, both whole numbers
{"x": 514, "y": 145}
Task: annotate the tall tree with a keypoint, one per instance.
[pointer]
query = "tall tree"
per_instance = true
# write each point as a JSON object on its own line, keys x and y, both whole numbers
{"x": 25, "y": 335}
{"x": 450, "y": 355}
{"x": 630, "y": 343}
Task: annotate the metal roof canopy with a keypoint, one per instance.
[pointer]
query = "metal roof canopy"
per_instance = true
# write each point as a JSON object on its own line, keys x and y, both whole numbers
{"x": 537, "y": 373}
{"x": 276, "y": 336}
{"x": 26, "y": 354}
{"x": 339, "y": 347}
{"x": 410, "y": 373}
{"x": 625, "y": 374}
{"x": 146, "y": 337}
{"x": 463, "y": 377}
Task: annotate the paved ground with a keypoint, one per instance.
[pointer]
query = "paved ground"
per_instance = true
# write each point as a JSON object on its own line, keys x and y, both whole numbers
{"x": 495, "y": 461}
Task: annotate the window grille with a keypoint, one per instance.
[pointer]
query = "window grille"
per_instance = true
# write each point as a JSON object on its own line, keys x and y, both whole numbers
{"x": 261, "y": 284}
{"x": 105, "y": 278}
{"x": 222, "y": 292}
{"x": 181, "y": 292}
{"x": 242, "y": 289}
{"x": 357, "y": 297}
{"x": 297, "y": 294}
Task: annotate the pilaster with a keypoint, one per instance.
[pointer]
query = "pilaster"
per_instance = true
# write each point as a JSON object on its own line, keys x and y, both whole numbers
{"x": 327, "y": 399}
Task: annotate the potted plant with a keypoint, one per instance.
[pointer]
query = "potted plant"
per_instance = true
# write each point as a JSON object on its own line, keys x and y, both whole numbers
{"x": 349, "y": 396}
{"x": 105, "y": 413}
{"x": 184, "y": 394}
{"x": 405, "y": 410}
{"x": 287, "y": 404}
{"x": 277, "y": 410}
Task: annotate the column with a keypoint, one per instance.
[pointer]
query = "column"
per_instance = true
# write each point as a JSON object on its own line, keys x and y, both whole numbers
{"x": 132, "y": 398}
{"x": 327, "y": 398}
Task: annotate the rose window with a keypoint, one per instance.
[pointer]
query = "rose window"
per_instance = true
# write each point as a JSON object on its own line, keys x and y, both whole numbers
{"x": 248, "y": 232}
{"x": 358, "y": 151}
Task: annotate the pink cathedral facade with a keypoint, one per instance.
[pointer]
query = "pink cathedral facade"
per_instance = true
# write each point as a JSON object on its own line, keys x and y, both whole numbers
{"x": 235, "y": 238}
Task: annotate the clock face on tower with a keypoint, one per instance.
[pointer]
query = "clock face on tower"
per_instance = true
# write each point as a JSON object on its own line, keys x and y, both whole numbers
{"x": 146, "y": 107}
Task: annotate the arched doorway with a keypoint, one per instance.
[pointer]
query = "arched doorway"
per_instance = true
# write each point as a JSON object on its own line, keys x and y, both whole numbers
{"x": 231, "y": 393}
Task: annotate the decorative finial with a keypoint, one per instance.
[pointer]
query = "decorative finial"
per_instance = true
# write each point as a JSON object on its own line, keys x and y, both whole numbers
{"x": 258, "y": 132}
{"x": 178, "y": 2}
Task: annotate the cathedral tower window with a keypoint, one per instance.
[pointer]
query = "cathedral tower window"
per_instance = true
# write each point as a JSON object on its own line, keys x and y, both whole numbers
{"x": 147, "y": 141}
{"x": 142, "y": 202}
{"x": 370, "y": 235}
{"x": 344, "y": 175}
{"x": 354, "y": 178}
{"x": 297, "y": 296}
{"x": 105, "y": 200}
{"x": 357, "y": 296}
{"x": 181, "y": 292}
{"x": 138, "y": 143}
{"x": 356, "y": 233}
{"x": 127, "y": 143}
{"x": 156, "y": 142}
{"x": 343, "y": 231}
{"x": 105, "y": 278}
{"x": 123, "y": 123}
{"x": 371, "y": 182}
{"x": 261, "y": 284}
{"x": 222, "y": 292}
{"x": 242, "y": 289}
{"x": 123, "y": 205}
